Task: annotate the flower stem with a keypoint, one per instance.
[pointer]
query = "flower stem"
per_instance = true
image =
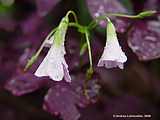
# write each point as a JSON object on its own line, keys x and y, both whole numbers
{"x": 122, "y": 15}
{"x": 95, "y": 22}
{"x": 72, "y": 24}
{"x": 138, "y": 16}
{"x": 89, "y": 48}
{"x": 141, "y": 15}
{"x": 74, "y": 15}
{"x": 44, "y": 42}
{"x": 35, "y": 56}
{"x": 90, "y": 70}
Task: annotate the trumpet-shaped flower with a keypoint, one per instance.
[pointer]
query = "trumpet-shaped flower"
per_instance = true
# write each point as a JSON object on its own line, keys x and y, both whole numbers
{"x": 112, "y": 56}
{"x": 54, "y": 64}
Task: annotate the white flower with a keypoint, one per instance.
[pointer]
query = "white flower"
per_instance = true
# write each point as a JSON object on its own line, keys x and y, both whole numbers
{"x": 112, "y": 56}
{"x": 54, "y": 65}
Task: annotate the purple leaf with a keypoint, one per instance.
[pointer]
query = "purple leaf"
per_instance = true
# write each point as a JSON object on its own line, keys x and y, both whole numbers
{"x": 144, "y": 40}
{"x": 63, "y": 97}
{"x": 62, "y": 100}
{"x": 44, "y": 6}
{"x": 23, "y": 84}
{"x": 98, "y": 8}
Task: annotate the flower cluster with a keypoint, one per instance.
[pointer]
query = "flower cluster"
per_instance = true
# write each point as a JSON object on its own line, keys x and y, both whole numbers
{"x": 54, "y": 64}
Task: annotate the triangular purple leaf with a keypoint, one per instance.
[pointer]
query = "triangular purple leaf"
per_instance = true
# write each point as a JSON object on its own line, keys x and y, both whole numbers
{"x": 23, "y": 84}
{"x": 62, "y": 100}
{"x": 144, "y": 40}
{"x": 97, "y": 8}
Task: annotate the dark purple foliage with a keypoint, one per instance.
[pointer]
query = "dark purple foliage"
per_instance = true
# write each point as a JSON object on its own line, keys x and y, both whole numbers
{"x": 63, "y": 102}
{"x": 97, "y": 8}
{"x": 24, "y": 83}
{"x": 68, "y": 96}
{"x": 144, "y": 39}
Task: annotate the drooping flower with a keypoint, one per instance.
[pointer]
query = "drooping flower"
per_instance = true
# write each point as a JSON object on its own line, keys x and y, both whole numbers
{"x": 112, "y": 56}
{"x": 54, "y": 64}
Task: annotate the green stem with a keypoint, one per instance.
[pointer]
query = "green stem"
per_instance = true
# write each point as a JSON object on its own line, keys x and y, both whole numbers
{"x": 44, "y": 42}
{"x": 84, "y": 30}
{"x": 72, "y": 24}
{"x": 95, "y": 22}
{"x": 74, "y": 15}
{"x": 141, "y": 15}
{"x": 89, "y": 50}
{"x": 34, "y": 57}
{"x": 122, "y": 15}
{"x": 138, "y": 16}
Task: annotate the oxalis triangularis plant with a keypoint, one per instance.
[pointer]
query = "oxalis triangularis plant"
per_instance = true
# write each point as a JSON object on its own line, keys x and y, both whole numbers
{"x": 54, "y": 64}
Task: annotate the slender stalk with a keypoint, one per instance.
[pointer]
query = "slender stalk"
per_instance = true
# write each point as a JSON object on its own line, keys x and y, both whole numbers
{"x": 34, "y": 57}
{"x": 122, "y": 15}
{"x": 74, "y": 15}
{"x": 95, "y": 22}
{"x": 138, "y": 16}
{"x": 141, "y": 15}
{"x": 89, "y": 49}
{"x": 72, "y": 24}
{"x": 84, "y": 30}
{"x": 44, "y": 42}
